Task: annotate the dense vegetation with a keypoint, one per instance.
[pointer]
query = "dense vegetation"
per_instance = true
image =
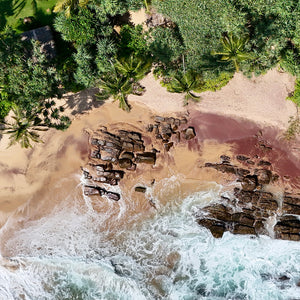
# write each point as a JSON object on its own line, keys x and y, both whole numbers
{"x": 198, "y": 48}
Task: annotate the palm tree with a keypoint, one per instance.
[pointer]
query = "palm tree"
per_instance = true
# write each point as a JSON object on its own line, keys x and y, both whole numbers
{"x": 70, "y": 6}
{"x": 24, "y": 129}
{"x": 116, "y": 85}
{"x": 233, "y": 50}
{"x": 134, "y": 68}
{"x": 186, "y": 82}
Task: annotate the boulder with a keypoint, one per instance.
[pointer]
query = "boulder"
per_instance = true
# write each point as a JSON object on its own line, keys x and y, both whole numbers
{"x": 242, "y": 158}
{"x": 291, "y": 205}
{"x": 263, "y": 176}
{"x": 159, "y": 119}
{"x": 249, "y": 183}
{"x": 127, "y": 154}
{"x": 140, "y": 189}
{"x": 125, "y": 163}
{"x": 168, "y": 146}
{"x": 113, "y": 196}
{"x": 225, "y": 158}
{"x": 216, "y": 227}
{"x": 189, "y": 133}
{"x": 288, "y": 228}
{"x": 264, "y": 163}
{"x": 146, "y": 157}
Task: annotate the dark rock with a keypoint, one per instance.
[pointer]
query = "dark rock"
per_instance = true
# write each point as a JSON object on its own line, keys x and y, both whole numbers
{"x": 129, "y": 155}
{"x": 170, "y": 121}
{"x": 225, "y": 158}
{"x": 127, "y": 146}
{"x": 177, "y": 137}
{"x": 242, "y": 158}
{"x": 125, "y": 163}
{"x": 217, "y": 228}
{"x": 250, "y": 162}
{"x": 263, "y": 176}
{"x": 189, "y": 133}
{"x": 183, "y": 121}
{"x": 168, "y": 146}
{"x": 132, "y": 168}
{"x": 264, "y": 163}
{"x": 288, "y": 228}
{"x": 242, "y": 172}
{"x": 291, "y": 205}
{"x": 243, "y": 229}
{"x": 159, "y": 119}
{"x": 156, "y": 130}
{"x": 284, "y": 278}
{"x": 177, "y": 122}
{"x": 95, "y": 154}
{"x": 166, "y": 137}
{"x": 149, "y": 128}
{"x": 140, "y": 189}
{"x": 113, "y": 196}
{"x": 94, "y": 141}
{"x": 138, "y": 147}
{"x": 224, "y": 168}
{"x": 249, "y": 183}
{"x": 158, "y": 137}
{"x": 174, "y": 128}
{"x": 146, "y": 157}
{"x": 90, "y": 191}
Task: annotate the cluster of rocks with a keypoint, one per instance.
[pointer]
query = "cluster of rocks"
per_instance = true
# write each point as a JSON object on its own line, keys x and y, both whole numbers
{"x": 111, "y": 154}
{"x": 251, "y": 210}
{"x": 166, "y": 128}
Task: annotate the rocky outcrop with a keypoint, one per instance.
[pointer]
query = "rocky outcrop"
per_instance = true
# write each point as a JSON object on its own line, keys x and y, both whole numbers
{"x": 251, "y": 210}
{"x": 167, "y": 129}
{"x": 112, "y": 154}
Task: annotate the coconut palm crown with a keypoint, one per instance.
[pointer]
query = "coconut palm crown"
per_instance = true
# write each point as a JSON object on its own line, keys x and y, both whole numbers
{"x": 233, "y": 50}
{"x": 24, "y": 129}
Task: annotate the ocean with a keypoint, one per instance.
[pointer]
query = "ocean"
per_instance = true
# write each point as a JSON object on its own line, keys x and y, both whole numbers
{"x": 109, "y": 250}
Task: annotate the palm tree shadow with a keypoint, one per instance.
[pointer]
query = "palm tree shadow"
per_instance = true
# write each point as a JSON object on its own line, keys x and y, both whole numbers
{"x": 83, "y": 101}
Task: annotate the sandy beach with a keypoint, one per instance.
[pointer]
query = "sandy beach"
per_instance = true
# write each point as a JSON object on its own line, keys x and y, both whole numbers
{"x": 237, "y": 112}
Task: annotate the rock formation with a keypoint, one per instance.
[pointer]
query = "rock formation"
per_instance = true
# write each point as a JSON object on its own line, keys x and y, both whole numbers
{"x": 251, "y": 210}
{"x": 114, "y": 153}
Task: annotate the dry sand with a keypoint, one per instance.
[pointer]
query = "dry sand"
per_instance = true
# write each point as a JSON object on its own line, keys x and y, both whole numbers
{"x": 30, "y": 174}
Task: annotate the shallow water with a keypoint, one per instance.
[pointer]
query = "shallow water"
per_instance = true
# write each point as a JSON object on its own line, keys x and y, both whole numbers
{"x": 77, "y": 252}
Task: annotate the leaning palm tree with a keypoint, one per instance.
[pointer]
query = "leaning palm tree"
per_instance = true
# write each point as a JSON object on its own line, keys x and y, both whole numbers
{"x": 186, "y": 82}
{"x": 24, "y": 129}
{"x": 69, "y": 6}
{"x": 233, "y": 50}
{"x": 116, "y": 85}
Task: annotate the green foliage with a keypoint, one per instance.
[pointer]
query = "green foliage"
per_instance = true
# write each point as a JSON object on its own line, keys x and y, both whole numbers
{"x": 185, "y": 82}
{"x": 290, "y": 62}
{"x": 296, "y": 94}
{"x": 233, "y": 50}
{"x": 216, "y": 83}
{"x": 116, "y": 85}
{"x": 86, "y": 70}
{"x": 133, "y": 68}
{"x": 165, "y": 45}
{"x": 69, "y": 7}
{"x": 201, "y": 24}
{"x": 83, "y": 28}
{"x": 132, "y": 41}
{"x": 24, "y": 129}
{"x": 5, "y": 104}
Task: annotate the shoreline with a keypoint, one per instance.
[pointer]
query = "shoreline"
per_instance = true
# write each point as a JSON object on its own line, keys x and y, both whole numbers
{"x": 62, "y": 154}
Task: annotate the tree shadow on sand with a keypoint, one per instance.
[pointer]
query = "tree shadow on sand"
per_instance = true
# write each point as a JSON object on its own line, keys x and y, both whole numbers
{"x": 83, "y": 101}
